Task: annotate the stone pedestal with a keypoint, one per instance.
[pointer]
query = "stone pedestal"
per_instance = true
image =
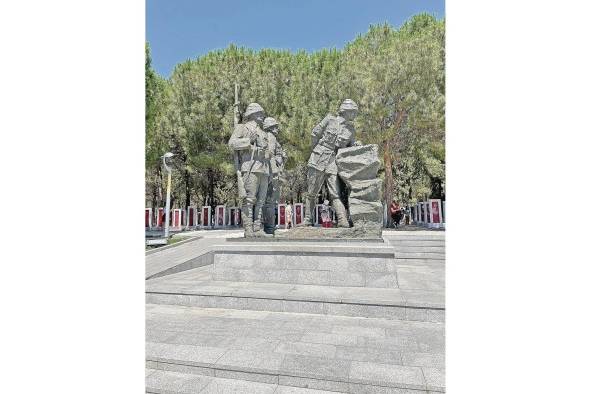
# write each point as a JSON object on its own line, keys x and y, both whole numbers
{"x": 351, "y": 266}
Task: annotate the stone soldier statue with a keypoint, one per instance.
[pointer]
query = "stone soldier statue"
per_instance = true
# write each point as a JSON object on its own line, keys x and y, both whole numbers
{"x": 278, "y": 157}
{"x": 250, "y": 143}
{"x": 332, "y": 133}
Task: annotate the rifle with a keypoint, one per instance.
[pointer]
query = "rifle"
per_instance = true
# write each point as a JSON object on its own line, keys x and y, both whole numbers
{"x": 237, "y": 164}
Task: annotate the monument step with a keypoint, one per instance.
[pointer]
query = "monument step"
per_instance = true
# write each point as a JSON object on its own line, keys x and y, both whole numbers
{"x": 430, "y": 236}
{"x": 414, "y": 304}
{"x": 420, "y": 262}
{"x": 201, "y": 252}
{"x": 420, "y": 249}
{"x": 416, "y": 242}
{"x": 339, "y": 354}
{"x": 420, "y": 255}
{"x": 160, "y": 381}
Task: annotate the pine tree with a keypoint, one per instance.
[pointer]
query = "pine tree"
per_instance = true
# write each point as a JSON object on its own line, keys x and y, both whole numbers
{"x": 396, "y": 76}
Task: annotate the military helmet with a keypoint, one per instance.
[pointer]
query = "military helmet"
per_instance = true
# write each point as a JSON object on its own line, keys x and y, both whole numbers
{"x": 348, "y": 104}
{"x": 269, "y": 122}
{"x": 253, "y": 108}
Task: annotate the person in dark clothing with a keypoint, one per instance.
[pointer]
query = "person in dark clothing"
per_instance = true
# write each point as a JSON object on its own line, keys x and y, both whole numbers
{"x": 395, "y": 213}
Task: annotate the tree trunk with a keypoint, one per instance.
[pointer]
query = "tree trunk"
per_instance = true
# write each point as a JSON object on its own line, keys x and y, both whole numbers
{"x": 389, "y": 161}
{"x": 154, "y": 192}
{"x": 187, "y": 189}
{"x": 210, "y": 186}
{"x": 160, "y": 191}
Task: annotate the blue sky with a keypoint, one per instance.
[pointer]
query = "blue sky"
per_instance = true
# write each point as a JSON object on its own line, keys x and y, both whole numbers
{"x": 181, "y": 29}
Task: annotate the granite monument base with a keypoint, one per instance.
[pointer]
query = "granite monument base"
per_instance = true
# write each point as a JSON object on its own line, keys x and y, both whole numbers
{"x": 361, "y": 231}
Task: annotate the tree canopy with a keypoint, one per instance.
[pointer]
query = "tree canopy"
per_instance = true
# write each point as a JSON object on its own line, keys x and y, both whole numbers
{"x": 397, "y": 77}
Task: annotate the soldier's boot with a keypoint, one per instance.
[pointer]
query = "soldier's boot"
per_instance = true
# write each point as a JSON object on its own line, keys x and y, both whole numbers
{"x": 341, "y": 212}
{"x": 247, "y": 220}
{"x": 257, "y": 227}
{"x": 269, "y": 219}
{"x": 308, "y": 216}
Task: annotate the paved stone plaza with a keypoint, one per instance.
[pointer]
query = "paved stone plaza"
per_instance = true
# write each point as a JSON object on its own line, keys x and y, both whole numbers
{"x": 250, "y": 317}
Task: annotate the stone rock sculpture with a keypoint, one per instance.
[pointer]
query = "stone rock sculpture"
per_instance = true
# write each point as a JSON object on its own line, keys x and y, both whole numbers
{"x": 358, "y": 168}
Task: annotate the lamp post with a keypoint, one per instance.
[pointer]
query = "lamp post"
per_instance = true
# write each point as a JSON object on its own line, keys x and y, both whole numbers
{"x": 167, "y": 155}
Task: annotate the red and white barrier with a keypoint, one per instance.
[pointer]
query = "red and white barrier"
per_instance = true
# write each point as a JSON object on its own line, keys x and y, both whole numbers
{"x": 148, "y": 218}
{"x": 191, "y": 217}
{"x": 206, "y": 216}
{"x": 224, "y": 216}
{"x": 435, "y": 213}
{"x": 430, "y": 213}
{"x": 281, "y": 216}
{"x": 160, "y": 218}
{"x": 298, "y": 213}
{"x": 317, "y": 218}
{"x": 234, "y": 218}
{"x": 176, "y": 216}
{"x": 220, "y": 216}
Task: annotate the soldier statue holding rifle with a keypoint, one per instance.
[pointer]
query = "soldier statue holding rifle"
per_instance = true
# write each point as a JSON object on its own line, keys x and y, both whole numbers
{"x": 251, "y": 147}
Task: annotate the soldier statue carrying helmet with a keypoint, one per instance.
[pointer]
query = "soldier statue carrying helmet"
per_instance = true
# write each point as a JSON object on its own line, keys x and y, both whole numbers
{"x": 251, "y": 146}
{"x": 331, "y": 134}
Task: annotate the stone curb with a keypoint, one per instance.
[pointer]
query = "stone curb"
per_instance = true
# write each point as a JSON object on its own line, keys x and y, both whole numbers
{"x": 301, "y": 249}
{"x": 400, "y": 311}
{"x": 318, "y": 240}
{"x": 278, "y": 376}
{"x": 156, "y": 250}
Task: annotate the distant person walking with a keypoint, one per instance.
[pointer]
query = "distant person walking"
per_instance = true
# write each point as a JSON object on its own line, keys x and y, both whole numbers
{"x": 325, "y": 215}
{"x": 288, "y": 215}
